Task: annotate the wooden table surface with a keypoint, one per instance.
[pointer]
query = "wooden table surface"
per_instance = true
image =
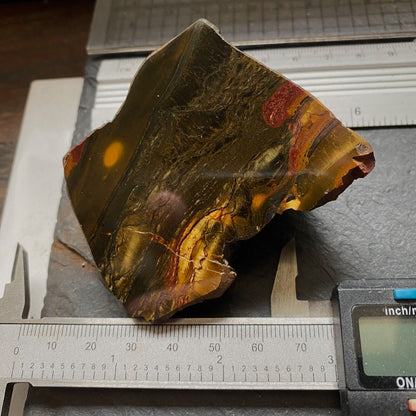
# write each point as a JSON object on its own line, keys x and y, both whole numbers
{"x": 38, "y": 40}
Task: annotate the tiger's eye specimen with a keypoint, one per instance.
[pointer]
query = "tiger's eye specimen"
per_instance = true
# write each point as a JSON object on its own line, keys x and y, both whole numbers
{"x": 208, "y": 146}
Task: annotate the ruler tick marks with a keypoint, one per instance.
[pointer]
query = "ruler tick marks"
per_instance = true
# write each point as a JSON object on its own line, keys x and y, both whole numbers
{"x": 249, "y": 333}
{"x": 14, "y": 363}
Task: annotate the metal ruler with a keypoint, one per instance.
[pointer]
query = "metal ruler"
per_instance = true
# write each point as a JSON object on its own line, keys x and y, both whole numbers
{"x": 214, "y": 354}
{"x": 292, "y": 353}
{"x": 143, "y": 25}
{"x": 365, "y": 85}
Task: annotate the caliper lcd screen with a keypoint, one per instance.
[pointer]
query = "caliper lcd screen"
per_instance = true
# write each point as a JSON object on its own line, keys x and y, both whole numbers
{"x": 388, "y": 345}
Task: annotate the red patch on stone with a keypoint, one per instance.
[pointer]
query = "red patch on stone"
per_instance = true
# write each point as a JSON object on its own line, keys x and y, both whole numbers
{"x": 76, "y": 152}
{"x": 277, "y": 108}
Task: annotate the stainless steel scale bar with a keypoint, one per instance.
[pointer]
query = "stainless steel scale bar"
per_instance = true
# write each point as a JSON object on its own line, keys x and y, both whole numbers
{"x": 290, "y": 354}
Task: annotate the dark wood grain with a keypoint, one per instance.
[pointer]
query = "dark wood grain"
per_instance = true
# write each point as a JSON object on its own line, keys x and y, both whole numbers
{"x": 38, "y": 40}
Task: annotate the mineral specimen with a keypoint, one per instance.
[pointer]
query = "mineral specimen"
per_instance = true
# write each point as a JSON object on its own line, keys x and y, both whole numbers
{"x": 208, "y": 146}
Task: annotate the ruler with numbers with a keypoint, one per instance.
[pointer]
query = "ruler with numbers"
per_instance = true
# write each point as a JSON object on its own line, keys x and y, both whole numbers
{"x": 216, "y": 354}
{"x": 364, "y": 85}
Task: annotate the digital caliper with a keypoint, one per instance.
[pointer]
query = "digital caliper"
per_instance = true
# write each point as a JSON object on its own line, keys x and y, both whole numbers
{"x": 367, "y": 350}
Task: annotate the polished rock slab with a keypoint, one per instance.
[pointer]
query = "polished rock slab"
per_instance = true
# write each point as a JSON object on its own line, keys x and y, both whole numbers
{"x": 207, "y": 148}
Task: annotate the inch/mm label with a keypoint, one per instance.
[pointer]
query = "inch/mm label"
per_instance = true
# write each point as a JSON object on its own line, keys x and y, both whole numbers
{"x": 264, "y": 356}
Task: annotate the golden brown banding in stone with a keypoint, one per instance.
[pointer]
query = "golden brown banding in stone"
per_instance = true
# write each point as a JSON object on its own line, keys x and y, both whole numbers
{"x": 208, "y": 147}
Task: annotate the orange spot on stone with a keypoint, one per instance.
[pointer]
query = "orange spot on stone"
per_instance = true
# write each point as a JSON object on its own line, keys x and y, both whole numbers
{"x": 112, "y": 154}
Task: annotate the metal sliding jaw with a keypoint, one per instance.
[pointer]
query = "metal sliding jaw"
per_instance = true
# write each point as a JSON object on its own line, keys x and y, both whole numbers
{"x": 14, "y": 305}
{"x": 15, "y": 301}
{"x": 284, "y": 302}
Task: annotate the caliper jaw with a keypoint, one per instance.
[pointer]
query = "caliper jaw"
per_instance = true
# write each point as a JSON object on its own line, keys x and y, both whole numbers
{"x": 14, "y": 305}
{"x": 16, "y": 300}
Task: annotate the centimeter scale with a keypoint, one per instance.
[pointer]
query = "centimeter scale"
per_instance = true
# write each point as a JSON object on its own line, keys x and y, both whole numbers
{"x": 364, "y": 85}
{"x": 373, "y": 363}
